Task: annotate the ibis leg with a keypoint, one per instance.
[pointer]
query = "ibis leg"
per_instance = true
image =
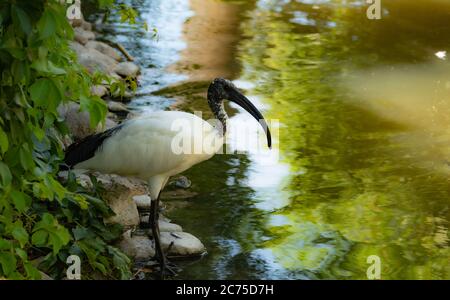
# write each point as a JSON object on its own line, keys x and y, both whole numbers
{"x": 154, "y": 217}
{"x": 159, "y": 252}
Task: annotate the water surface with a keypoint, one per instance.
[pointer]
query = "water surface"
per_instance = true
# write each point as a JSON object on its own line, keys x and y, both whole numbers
{"x": 364, "y": 118}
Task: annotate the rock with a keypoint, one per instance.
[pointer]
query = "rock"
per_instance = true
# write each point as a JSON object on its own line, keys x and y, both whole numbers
{"x": 83, "y": 36}
{"x": 122, "y": 204}
{"x": 116, "y": 76}
{"x": 99, "y": 90}
{"x": 164, "y": 226}
{"x": 125, "y": 98}
{"x": 142, "y": 201}
{"x": 105, "y": 49}
{"x": 76, "y": 22}
{"x": 109, "y": 123}
{"x": 184, "y": 244}
{"x": 109, "y": 181}
{"x": 86, "y": 25}
{"x": 94, "y": 60}
{"x": 118, "y": 193}
{"x": 138, "y": 247}
{"x": 115, "y": 106}
{"x": 112, "y": 116}
{"x": 78, "y": 121}
{"x": 81, "y": 23}
{"x": 127, "y": 69}
{"x": 66, "y": 141}
{"x": 181, "y": 182}
{"x": 169, "y": 227}
{"x": 143, "y": 219}
{"x": 82, "y": 178}
{"x": 77, "y": 47}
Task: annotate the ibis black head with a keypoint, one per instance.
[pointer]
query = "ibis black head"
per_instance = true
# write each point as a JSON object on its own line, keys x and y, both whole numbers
{"x": 221, "y": 89}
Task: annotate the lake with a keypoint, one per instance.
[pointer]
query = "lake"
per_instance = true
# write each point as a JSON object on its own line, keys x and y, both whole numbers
{"x": 360, "y": 111}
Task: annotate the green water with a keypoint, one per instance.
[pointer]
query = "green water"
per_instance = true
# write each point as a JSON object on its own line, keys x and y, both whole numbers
{"x": 364, "y": 140}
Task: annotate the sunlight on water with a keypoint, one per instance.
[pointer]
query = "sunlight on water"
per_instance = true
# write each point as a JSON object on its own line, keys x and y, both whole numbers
{"x": 363, "y": 142}
{"x": 416, "y": 97}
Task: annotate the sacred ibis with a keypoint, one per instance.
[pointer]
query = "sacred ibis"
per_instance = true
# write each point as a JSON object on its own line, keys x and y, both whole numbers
{"x": 143, "y": 147}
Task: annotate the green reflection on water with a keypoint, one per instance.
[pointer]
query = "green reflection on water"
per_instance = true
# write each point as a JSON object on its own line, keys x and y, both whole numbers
{"x": 368, "y": 175}
{"x": 360, "y": 176}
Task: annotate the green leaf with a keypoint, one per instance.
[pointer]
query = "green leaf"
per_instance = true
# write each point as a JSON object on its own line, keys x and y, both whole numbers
{"x": 22, "y": 254}
{"x": 5, "y": 244}
{"x": 39, "y": 238}
{"x": 105, "y": 3}
{"x": 96, "y": 107}
{"x": 100, "y": 267}
{"x": 42, "y": 52}
{"x": 20, "y": 234}
{"x": 32, "y": 272}
{"x": 55, "y": 70}
{"x": 26, "y": 158}
{"x": 57, "y": 188}
{"x": 8, "y": 263}
{"x": 7, "y": 79}
{"x": 20, "y": 71}
{"x": 46, "y": 66}
{"x": 45, "y": 93}
{"x": 121, "y": 262}
{"x": 80, "y": 233}
{"x": 16, "y": 276}
{"x": 5, "y": 174}
{"x": 59, "y": 238}
{"x": 4, "y": 144}
{"x": 55, "y": 241}
{"x": 20, "y": 200}
{"x": 21, "y": 18}
{"x": 38, "y": 132}
{"x": 42, "y": 191}
{"x": 47, "y": 221}
{"x": 47, "y": 232}
{"x": 47, "y": 24}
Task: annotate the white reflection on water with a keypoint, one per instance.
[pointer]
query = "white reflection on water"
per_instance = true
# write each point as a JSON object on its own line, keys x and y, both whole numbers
{"x": 266, "y": 176}
{"x": 266, "y": 173}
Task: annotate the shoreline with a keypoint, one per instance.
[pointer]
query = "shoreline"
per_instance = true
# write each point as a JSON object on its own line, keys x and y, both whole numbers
{"x": 127, "y": 197}
{"x": 211, "y": 36}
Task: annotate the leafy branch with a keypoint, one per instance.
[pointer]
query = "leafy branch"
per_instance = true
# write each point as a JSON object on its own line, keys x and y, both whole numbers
{"x": 40, "y": 218}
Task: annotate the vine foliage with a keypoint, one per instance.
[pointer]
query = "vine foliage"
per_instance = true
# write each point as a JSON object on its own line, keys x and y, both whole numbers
{"x": 42, "y": 221}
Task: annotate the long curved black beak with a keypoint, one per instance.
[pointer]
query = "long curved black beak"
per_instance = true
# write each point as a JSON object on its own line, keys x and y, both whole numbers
{"x": 236, "y": 97}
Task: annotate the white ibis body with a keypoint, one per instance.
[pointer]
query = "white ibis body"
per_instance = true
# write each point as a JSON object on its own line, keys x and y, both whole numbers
{"x": 144, "y": 147}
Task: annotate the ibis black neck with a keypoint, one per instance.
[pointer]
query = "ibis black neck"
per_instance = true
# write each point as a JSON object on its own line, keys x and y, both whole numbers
{"x": 218, "y": 109}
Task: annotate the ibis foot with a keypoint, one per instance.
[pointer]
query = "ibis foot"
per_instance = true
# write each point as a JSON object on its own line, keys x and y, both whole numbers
{"x": 167, "y": 269}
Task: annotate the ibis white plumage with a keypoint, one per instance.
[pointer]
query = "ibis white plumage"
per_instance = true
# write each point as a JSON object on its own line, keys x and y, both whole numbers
{"x": 144, "y": 147}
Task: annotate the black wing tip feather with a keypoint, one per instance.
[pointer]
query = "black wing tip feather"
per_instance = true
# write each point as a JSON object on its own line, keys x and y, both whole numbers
{"x": 86, "y": 148}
